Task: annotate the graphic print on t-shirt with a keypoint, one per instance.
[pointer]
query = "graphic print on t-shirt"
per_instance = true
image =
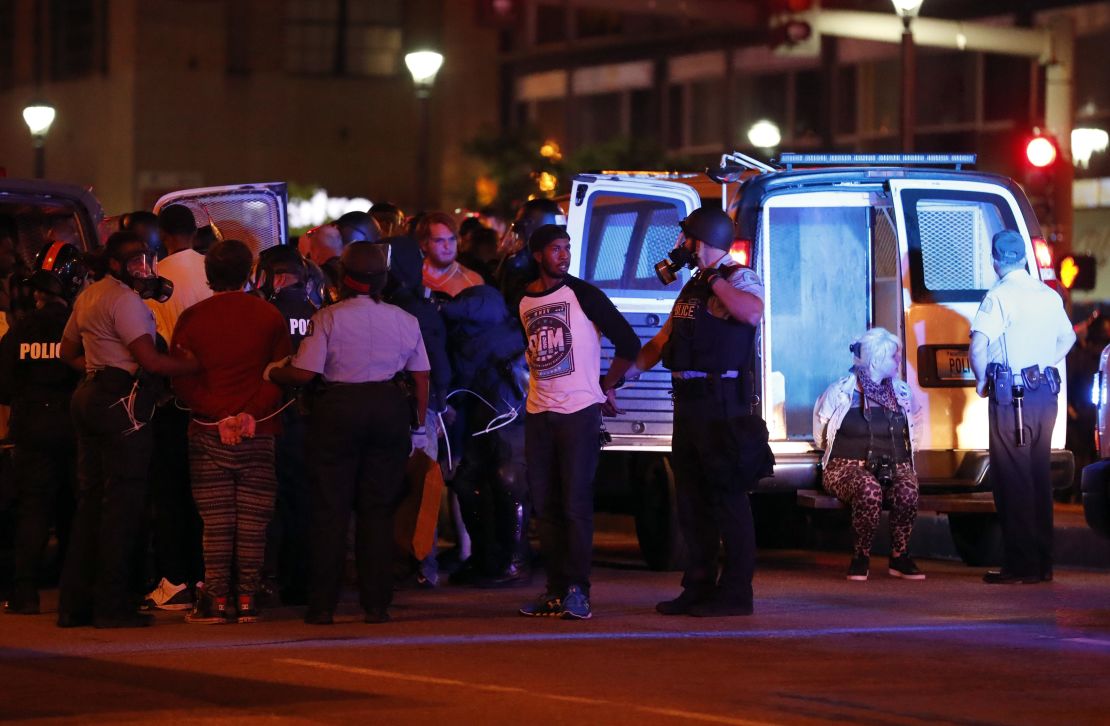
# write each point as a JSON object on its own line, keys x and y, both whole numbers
{"x": 550, "y": 353}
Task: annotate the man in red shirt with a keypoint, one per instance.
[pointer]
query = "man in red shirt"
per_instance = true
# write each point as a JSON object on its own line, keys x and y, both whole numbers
{"x": 234, "y": 337}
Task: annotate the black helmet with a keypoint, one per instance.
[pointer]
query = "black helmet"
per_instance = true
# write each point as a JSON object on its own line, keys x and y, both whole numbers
{"x": 60, "y": 270}
{"x": 274, "y": 261}
{"x": 711, "y": 226}
{"x": 365, "y": 268}
{"x": 534, "y": 214}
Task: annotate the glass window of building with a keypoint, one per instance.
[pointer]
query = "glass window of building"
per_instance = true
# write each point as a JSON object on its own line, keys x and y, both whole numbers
{"x": 551, "y": 24}
{"x": 758, "y": 98}
{"x": 343, "y": 37}
{"x": 845, "y": 100}
{"x": 599, "y": 118}
{"x": 1006, "y": 88}
{"x": 76, "y": 38}
{"x": 7, "y": 43}
{"x": 807, "y": 104}
{"x": 707, "y": 112}
{"x": 946, "y": 84}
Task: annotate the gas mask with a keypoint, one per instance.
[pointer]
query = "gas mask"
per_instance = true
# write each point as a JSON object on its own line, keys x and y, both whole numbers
{"x": 139, "y": 272}
{"x": 681, "y": 256}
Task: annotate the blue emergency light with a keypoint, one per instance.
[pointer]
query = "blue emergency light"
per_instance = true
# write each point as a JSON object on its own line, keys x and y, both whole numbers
{"x": 957, "y": 160}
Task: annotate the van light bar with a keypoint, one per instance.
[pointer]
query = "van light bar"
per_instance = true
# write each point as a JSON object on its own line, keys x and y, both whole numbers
{"x": 958, "y": 160}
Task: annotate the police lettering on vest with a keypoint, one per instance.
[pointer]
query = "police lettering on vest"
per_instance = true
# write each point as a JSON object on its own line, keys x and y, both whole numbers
{"x": 300, "y": 326}
{"x": 700, "y": 341}
{"x": 40, "y": 351}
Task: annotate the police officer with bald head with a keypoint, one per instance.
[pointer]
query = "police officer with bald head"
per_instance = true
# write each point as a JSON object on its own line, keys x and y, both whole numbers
{"x": 1018, "y": 337}
{"x": 361, "y": 430}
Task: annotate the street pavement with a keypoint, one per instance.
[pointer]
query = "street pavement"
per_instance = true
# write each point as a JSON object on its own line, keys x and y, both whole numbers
{"x": 818, "y": 650}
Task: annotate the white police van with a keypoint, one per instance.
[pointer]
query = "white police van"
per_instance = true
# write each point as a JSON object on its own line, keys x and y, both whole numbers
{"x": 842, "y": 242}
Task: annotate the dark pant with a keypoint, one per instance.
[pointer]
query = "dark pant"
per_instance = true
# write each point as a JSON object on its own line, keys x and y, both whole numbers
{"x": 44, "y": 466}
{"x": 176, "y": 526}
{"x": 112, "y": 465}
{"x": 713, "y": 507}
{"x": 1022, "y": 483}
{"x": 358, "y": 446}
{"x": 287, "y": 534}
{"x": 561, "y": 450}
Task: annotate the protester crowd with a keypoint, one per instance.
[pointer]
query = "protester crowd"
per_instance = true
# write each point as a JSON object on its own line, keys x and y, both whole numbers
{"x": 201, "y": 423}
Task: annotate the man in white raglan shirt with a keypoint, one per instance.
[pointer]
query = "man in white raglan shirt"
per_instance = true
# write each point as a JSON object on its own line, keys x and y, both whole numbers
{"x": 564, "y": 319}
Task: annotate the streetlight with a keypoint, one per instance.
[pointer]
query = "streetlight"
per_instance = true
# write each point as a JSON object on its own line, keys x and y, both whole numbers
{"x": 764, "y": 135}
{"x": 39, "y": 116}
{"x": 908, "y": 10}
{"x": 423, "y": 65}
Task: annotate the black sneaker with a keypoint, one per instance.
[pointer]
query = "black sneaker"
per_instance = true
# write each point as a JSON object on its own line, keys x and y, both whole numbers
{"x": 902, "y": 566}
{"x": 208, "y": 610}
{"x": 546, "y": 605}
{"x": 859, "y": 568}
{"x": 247, "y": 611}
{"x": 576, "y": 605}
{"x": 375, "y": 616}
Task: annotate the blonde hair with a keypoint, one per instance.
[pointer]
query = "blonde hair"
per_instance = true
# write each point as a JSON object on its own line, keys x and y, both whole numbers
{"x": 873, "y": 348}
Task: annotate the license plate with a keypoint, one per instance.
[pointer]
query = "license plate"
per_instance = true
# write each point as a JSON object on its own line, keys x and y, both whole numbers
{"x": 953, "y": 365}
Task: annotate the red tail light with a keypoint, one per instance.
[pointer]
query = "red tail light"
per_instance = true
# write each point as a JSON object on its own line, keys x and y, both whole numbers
{"x": 741, "y": 252}
{"x": 1043, "y": 253}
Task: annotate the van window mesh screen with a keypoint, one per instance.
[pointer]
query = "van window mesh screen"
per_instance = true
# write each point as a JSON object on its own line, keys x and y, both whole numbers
{"x": 625, "y": 237}
{"x": 659, "y": 239}
{"x": 947, "y": 247}
{"x": 616, "y": 233}
{"x": 248, "y": 215}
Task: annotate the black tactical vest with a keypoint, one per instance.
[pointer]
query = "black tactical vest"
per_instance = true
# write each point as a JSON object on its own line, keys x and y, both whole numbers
{"x": 700, "y": 341}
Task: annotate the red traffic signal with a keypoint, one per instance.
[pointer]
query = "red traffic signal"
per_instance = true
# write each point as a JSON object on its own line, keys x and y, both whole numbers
{"x": 1040, "y": 152}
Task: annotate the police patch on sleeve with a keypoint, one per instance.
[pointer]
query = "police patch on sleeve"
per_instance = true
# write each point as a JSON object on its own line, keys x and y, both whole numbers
{"x": 987, "y": 306}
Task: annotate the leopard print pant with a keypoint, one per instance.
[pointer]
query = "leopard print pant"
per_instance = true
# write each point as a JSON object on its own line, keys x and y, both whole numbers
{"x": 850, "y": 482}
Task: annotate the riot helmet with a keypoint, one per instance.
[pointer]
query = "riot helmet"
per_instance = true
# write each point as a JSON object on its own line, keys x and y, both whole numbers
{"x": 364, "y": 269}
{"x": 711, "y": 226}
{"x": 274, "y": 261}
{"x": 532, "y": 215}
{"x": 60, "y": 270}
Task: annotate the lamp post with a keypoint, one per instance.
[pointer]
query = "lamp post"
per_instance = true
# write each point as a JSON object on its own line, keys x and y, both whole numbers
{"x": 908, "y": 10}
{"x": 39, "y": 116}
{"x": 423, "y": 65}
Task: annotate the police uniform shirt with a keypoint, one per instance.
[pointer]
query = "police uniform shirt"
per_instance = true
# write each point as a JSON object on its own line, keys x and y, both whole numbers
{"x": 358, "y": 340}
{"x": 185, "y": 270}
{"x": 107, "y": 317}
{"x": 1030, "y": 316}
{"x": 745, "y": 280}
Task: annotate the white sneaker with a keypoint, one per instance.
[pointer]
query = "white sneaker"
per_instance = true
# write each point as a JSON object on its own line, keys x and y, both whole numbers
{"x": 168, "y": 596}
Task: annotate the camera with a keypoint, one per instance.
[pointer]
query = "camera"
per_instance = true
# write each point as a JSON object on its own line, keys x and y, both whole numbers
{"x": 882, "y": 468}
{"x": 667, "y": 270}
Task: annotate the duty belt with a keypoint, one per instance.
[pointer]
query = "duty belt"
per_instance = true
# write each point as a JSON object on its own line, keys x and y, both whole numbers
{"x": 697, "y": 375}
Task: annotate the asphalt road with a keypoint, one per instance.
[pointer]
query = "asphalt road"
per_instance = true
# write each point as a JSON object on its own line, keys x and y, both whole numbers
{"x": 818, "y": 650}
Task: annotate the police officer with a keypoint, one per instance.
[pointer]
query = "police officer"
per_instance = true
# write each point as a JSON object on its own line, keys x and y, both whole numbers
{"x": 359, "y": 430}
{"x": 517, "y": 266}
{"x": 110, "y": 336}
{"x": 281, "y": 277}
{"x": 37, "y": 384}
{"x": 1018, "y": 336}
{"x": 719, "y": 446}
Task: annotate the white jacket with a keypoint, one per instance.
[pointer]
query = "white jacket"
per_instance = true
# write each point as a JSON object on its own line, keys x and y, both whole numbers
{"x": 833, "y": 405}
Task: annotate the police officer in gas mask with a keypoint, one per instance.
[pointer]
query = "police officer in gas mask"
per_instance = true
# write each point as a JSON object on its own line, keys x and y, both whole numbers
{"x": 37, "y": 385}
{"x": 110, "y": 338}
{"x": 719, "y": 446}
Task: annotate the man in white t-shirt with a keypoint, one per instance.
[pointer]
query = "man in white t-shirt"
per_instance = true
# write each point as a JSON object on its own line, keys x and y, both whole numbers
{"x": 564, "y": 318}
{"x": 176, "y": 526}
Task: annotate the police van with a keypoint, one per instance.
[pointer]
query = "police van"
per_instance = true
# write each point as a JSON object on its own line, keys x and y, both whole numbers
{"x": 842, "y": 243}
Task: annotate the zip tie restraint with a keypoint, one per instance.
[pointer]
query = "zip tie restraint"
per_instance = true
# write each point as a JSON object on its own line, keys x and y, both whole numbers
{"x": 128, "y": 403}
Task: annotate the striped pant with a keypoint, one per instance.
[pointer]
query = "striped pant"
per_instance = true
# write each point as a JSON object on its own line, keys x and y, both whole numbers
{"x": 234, "y": 489}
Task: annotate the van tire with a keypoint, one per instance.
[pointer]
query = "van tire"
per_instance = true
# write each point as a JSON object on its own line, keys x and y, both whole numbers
{"x": 656, "y": 514}
{"x": 977, "y": 537}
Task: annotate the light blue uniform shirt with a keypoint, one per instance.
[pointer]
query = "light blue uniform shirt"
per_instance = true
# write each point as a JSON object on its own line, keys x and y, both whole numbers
{"x": 1022, "y": 319}
{"x": 358, "y": 340}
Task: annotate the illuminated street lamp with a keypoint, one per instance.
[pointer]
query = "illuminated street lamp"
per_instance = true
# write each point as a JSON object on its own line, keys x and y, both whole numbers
{"x": 908, "y": 10}
{"x": 423, "y": 65}
{"x": 764, "y": 135}
{"x": 39, "y": 116}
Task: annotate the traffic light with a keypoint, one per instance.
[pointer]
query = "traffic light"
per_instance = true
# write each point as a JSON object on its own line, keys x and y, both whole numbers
{"x": 1077, "y": 272}
{"x": 792, "y": 33}
{"x": 1042, "y": 159}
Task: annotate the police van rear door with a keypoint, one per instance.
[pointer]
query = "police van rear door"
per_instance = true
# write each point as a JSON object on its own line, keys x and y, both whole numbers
{"x": 620, "y": 226}
{"x": 251, "y": 213}
{"x": 945, "y": 228}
